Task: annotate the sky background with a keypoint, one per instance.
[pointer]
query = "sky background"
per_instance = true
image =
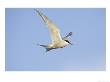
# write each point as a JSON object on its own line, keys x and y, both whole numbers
{"x": 24, "y": 29}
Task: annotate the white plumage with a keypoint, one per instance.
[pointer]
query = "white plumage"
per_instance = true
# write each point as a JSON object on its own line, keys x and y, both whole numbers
{"x": 57, "y": 40}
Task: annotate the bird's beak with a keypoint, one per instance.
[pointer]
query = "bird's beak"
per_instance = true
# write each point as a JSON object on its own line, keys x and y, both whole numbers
{"x": 70, "y": 43}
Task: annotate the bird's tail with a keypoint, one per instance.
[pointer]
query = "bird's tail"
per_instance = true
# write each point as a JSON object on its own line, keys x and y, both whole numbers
{"x": 46, "y": 47}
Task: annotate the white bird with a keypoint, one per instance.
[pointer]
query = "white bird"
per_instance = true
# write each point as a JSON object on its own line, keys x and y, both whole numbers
{"x": 57, "y": 40}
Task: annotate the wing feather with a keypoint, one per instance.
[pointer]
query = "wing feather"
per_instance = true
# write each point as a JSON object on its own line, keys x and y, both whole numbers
{"x": 55, "y": 32}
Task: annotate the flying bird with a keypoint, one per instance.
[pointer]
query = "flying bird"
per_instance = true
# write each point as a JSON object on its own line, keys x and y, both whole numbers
{"x": 57, "y": 40}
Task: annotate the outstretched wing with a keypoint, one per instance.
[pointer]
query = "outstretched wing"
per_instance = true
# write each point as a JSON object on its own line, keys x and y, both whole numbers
{"x": 55, "y": 32}
{"x": 67, "y": 36}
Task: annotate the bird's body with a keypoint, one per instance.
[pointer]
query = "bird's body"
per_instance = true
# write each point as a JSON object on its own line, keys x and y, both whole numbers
{"x": 60, "y": 44}
{"x": 57, "y": 40}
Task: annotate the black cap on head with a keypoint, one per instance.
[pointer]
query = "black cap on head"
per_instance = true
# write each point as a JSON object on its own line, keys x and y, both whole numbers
{"x": 68, "y": 42}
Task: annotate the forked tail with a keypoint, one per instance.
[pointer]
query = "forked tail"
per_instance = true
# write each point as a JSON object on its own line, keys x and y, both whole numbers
{"x": 46, "y": 47}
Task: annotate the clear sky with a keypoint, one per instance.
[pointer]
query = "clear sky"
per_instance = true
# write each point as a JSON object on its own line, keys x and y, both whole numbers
{"x": 24, "y": 29}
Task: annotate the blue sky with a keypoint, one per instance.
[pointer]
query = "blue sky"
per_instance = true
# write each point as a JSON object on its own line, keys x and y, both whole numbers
{"x": 24, "y": 29}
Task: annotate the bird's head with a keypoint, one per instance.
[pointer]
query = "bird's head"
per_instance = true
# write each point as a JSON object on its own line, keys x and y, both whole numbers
{"x": 68, "y": 41}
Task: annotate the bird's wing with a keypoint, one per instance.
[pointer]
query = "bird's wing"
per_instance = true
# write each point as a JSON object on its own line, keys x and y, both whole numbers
{"x": 55, "y": 32}
{"x": 67, "y": 36}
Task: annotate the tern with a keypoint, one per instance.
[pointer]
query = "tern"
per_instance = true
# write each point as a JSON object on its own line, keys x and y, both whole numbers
{"x": 57, "y": 40}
